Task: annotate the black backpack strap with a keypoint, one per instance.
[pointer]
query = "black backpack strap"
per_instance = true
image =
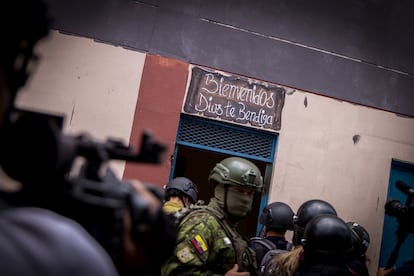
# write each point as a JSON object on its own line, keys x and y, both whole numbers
{"x": 266, "y": 267}
{"x": 261, "y": 246}
{"x": 268, "y": 245}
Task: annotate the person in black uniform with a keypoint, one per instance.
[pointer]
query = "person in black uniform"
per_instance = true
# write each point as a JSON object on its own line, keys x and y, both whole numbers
{"x": 287, "y": 263}
{"x": 34, "y": 241}
{"x": 277, "y": 219}
{"x": 327, "y": 243}
{"x": 360, "y": 240}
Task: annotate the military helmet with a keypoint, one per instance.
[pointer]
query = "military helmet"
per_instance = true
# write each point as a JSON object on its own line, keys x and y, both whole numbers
{"x": 278, "y": 216}
{"x": 360, "y": 238}
{"x": 307, "y": 211}
{"x": 327, "y": 238}
{"x": 182, "y": 185}
{"x": 237, "y": 171}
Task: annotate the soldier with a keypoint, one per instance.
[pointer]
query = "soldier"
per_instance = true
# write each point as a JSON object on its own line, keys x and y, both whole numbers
{"x": 286, "y": 263}
{"x": 179, "y": 192}
{"x": 208, "y": 241}
{"x": 277, "y": 218}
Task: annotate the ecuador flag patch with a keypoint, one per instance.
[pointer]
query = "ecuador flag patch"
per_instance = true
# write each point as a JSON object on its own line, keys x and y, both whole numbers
{"x": 199, "y": 244}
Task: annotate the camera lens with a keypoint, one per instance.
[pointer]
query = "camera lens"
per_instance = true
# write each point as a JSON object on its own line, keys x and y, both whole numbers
{"x": 396, "y": 209}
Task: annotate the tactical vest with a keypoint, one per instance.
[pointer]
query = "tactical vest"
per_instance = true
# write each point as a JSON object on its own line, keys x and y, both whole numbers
{"x": 245, "y": 256}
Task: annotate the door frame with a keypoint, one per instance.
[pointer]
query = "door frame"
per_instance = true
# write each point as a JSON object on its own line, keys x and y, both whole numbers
{"x": 205, "y": 124}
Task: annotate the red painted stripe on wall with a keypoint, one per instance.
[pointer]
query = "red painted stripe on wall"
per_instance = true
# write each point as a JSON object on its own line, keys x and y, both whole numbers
{"x": 160, "y": 98}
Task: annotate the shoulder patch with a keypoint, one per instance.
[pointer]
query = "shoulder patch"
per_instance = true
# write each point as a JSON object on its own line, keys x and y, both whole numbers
{"x": 185, "y": 255}
{"x": 227, "y": 241}
{"x": 199, "y": 244}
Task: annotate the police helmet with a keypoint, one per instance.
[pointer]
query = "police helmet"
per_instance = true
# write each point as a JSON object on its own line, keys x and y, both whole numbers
{"x": 327, "y": 238}
{"x": 237, "y": 171}
{"x": 307, "y": 211}
{"x": 182, "y": 185}
{"x": 277, "y": 216}
{"x": 360, "y": 238}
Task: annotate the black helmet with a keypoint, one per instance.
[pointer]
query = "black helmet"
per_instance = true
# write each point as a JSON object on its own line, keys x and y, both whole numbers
{"x": 278, "y": 216}
{"x": 360, "y": 238}
{"x": 327, "y": 239}
{"x": 182, "y": 185}
{"x": 307, "y": 211}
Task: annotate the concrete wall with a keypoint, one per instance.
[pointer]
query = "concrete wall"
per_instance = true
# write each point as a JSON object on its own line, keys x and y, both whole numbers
{"x": 353, "y": 50}
{"x": 327, "y": 149}
{"x": 342, "y": 153}
{"x": 94, "y": 85}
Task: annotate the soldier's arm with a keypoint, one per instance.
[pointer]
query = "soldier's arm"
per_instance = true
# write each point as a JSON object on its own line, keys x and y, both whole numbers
{"x": 194, "y": 239}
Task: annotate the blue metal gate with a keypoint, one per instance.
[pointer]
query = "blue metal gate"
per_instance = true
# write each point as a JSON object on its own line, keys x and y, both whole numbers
{"x": 226, "y": 138}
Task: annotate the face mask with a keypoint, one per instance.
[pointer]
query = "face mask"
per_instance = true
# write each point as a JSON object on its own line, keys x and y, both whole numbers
{"x": 238, "y": 204}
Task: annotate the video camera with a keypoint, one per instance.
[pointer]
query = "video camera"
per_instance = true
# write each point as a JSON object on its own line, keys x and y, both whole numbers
{"x": 35, "y": 152}
{"x": 404, "y": 213}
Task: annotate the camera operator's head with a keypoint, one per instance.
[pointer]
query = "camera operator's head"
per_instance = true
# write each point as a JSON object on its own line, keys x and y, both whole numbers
{"x": 22, "y": 24}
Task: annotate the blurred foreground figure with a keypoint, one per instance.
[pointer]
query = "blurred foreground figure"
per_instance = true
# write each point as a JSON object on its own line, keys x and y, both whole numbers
{"x": 208, "y": 241}
{"x": 34, "y": 241}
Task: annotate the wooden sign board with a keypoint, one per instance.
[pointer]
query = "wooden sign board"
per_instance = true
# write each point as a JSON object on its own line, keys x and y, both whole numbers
{"x": 236, "y": 99}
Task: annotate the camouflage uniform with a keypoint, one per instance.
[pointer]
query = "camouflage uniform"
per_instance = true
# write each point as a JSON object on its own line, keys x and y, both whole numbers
{"x": 204, "y": 247}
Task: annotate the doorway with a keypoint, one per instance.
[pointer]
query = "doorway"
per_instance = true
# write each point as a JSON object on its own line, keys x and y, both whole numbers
{"x": 201, "y": 143}
{"x": 399, "y": 224}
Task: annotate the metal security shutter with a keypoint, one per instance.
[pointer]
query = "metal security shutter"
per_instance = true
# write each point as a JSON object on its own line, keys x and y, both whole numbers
{"x": 226, "y": 138}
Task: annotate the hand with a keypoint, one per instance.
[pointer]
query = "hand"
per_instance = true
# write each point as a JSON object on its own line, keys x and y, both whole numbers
{"x": 139, "y": 188}
{"x": 384, "y": 272}
{"x": 135, "y": 254}
{"x": 234, "y": 271}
